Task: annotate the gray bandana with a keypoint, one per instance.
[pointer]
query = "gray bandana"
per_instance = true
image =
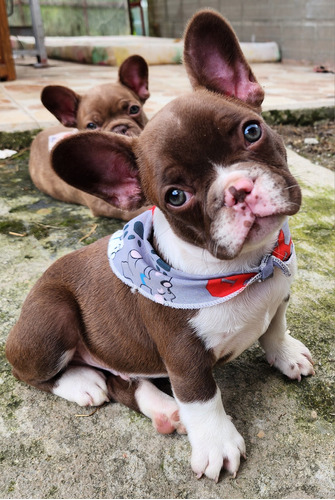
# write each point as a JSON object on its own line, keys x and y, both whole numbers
{"x": 135, "y": 262}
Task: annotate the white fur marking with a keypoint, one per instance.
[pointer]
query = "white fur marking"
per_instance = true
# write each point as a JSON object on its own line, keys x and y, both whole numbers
{"x": 214, "y": 439}
{"x": 287, "y": 354}
{"x": 82, "y": 385}
{"x": 154, "y": 404}
{"x": 235, "y": 325}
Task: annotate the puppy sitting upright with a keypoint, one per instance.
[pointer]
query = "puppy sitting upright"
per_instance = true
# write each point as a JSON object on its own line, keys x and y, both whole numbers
{"x": 112, "y": 107}
{"x": 211, "y": 263}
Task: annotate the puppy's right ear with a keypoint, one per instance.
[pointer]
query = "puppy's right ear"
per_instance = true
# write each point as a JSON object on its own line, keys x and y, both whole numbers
{"x": 214, "y": 59}
{"x": 101, "y": 164}
{"x": 61, "y": 102}
{"x": 134, "y": 74}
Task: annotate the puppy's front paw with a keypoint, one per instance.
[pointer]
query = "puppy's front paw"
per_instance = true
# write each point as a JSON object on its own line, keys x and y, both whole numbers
{"x": 291, "y": 357}
{"x": 82, "y": 385}
{"x": 217, "y": 448}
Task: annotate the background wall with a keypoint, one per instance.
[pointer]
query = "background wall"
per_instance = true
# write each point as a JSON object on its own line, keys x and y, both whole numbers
{"x": 304, "y": 29}
{"x": 76, "y": 17}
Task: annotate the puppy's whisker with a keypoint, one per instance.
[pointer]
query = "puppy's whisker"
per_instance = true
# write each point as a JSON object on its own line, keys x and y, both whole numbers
{"x": 291, "y": 187}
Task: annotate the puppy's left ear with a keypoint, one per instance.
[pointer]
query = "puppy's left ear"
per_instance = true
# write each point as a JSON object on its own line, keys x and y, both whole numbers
{"x": 134, "y": 74}
{"x": 101, "y": 164}
{"x": 214, "y": 59}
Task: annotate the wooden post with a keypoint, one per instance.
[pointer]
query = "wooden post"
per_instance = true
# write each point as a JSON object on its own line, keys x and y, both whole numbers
{"x": 7, "y": 67}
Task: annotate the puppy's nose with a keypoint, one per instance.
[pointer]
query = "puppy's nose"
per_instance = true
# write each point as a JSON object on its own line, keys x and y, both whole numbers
{"x": 236, "y": 192}
{"x": 120, "y": 129}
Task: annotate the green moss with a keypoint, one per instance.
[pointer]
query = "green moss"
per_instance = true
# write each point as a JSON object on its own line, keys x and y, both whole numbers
{"x": 11, "y": 486}
{"x": 314, "y": 322}
{"x": 313, "y": 232}
{"x": 298, "y": 116}
{"x": 315, "y": 394}
{"x": 15, "y": 179}
{"x": 34, "y": 449}
{"x": 311, "y": 315}
{"x": 12, "y": 226}
{"x": 74, "y": 222}
{"x": 17, "y": 140}
{"x": 52, "y": 493}
{"x": 135, "y": 417}
{"x": 12, "y": 404}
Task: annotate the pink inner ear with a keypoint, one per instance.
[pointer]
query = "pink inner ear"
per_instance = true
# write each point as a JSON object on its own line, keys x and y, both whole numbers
{"x": 63, "y": 103}
{"x": 214, "y": 59}
{"x": 233, "y": 79}
{"x": 67, "y": 110}
{"x": 136, "y": 83}
{"x": 101, "y": 164}
{"x": 117, "y": 183}
{"x": 133, "y": 73}
{"x": 126, "y": 197}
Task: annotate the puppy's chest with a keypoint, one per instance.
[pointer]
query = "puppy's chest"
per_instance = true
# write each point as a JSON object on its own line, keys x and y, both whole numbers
{"x": 230, "y": 328}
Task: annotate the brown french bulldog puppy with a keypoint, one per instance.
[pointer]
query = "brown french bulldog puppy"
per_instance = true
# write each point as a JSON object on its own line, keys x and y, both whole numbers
{"x": 112, "y": 107}
{"x": 199, "y": 278}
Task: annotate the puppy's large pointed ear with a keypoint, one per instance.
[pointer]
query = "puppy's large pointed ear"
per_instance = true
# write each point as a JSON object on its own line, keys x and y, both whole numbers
{"x": 134, "y": 74}
{"x": 101, "y": 164}
{"x": 214, "y": 59}
{"x": 61, "y": 102}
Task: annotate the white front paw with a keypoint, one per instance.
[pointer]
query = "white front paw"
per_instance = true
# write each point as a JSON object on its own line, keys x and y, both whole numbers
{"x": 82, "y": 385}
{"x": 217, "y": 449}
{"x": 214, "y": 439}
{"x": 291, "y": 357}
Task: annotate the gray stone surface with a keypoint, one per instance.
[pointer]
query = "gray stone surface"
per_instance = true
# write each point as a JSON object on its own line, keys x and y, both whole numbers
{"x": 49, "y": 450}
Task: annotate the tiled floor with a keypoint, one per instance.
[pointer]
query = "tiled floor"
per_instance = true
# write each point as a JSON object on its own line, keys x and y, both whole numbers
{"x": 286, "y": 87}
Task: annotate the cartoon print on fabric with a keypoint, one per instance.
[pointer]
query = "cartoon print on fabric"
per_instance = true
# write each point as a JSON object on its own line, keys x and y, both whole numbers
{"x": 135, "y": 262}
{"x": 148, "y": 278}
{"x": 151, "y": 280}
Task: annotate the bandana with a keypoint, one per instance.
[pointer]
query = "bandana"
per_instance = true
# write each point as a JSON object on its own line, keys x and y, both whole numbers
{"x": 135, "y": 262}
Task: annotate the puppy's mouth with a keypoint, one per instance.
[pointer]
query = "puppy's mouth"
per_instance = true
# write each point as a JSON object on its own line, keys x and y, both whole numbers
{"x": 125, "y": 130}
{"x": 247, "y": 207}
{"x": 262, "y": 227}
{"x": 236, "y": 235}
{"x": 128, "y": 128}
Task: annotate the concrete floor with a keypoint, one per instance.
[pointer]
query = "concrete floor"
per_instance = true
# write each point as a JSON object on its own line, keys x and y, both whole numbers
{"x": 286, "y": 87}
{"x": 48, "y": 449}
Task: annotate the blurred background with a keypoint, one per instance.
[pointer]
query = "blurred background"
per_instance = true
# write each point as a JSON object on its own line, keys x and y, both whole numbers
{"x": 303, "y": 29}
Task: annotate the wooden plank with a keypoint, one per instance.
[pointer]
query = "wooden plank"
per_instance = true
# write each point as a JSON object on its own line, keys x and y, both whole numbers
{"x": 7, "y": 67}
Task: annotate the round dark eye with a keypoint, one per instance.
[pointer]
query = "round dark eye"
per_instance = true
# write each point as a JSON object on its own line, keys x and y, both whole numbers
{"x": 91, "y": 126}
{"x": 252, "y": 132}
{"x": 176, "y": 197}
{"x": 133, "y": 110}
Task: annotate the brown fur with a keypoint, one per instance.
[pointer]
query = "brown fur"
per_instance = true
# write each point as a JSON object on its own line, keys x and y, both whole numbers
{"x": 73, "y": 313}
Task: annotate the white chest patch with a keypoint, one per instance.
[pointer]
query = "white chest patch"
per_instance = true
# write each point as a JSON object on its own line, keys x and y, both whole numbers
{"x": 232, "y": 327}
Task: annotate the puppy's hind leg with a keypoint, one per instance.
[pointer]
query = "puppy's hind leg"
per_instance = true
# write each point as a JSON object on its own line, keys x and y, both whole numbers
{"x": 42, "y": 343}
{"x": 82, "y": 385}
{"x": 143, "y": 396}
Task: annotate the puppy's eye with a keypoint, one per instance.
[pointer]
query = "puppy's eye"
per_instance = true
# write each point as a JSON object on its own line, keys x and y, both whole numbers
{"x": 177, "y": 197}
{"x": 134, "y": 109}
{"x": 91, "y": 126}
{"x": 252, "y": 132}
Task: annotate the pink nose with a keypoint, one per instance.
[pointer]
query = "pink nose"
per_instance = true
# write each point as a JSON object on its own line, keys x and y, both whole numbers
{"x": 237, "y": 191}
